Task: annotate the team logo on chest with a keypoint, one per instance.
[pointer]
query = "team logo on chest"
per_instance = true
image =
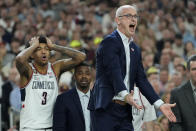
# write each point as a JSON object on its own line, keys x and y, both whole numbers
{"x": 43, "y": 85}
{"x": 36, "y": 78}
{"x": 50, "y": 74}
{"x": 34, "y": 71}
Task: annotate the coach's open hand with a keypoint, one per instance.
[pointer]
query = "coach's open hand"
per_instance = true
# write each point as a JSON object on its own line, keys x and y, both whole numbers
{"x": 166, "y": 110}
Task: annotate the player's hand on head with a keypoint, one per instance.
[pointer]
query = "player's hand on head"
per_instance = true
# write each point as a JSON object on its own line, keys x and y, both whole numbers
{"x": 34, "y": 41}
{"x": 49, "y": 43}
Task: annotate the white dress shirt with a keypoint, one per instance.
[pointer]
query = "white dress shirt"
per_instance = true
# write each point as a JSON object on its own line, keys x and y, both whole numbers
{"x": 121, "y": 95}
{"x": 126, "y": 43}
{"x": 84, "y": 99}
{"x": 194, "y": 90}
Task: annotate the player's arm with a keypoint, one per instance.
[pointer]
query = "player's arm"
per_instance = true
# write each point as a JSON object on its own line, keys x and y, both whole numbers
{"x": 22, "y": 64}
{"x": 63, "y": 65}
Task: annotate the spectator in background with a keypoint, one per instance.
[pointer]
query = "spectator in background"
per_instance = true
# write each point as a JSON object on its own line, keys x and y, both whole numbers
{"x": 177, "y": 79}
{"x": 157, "y": 127}
{"x": 194, "y": 37}
{"x": 165, "y": 37}
{"x": 183, "y": 30}
{"x": 153, "y": 73}
{"x": 176, "y": 61}
{"x": 164, "y": 123}
{"x": 156, "y": 86}
{"x": 164, "y": 78}
{"x": 168, "y": 45}
{"x": 185, "y": 99}
{"x": 7, "y": 88}
{"x": 178, "y": 46}
{"x": 166, "y": 97}
{"x": 188, "y": 47}
{"x": 15, "y": 100}
{"x": 182, "y": 69}
{"x": 15, "y": 97}
{"x": 65, "y": 82}
{"x": 192, "y": 52}
{"x": 166, "y": 60}
{"x": 90, "y": 49}
{"x": 5, "y": 57}
{"x": 148, "y": 45}
{"x": 15, "y": 47}
{"x": 148, "y": 60}
{"x": 170, "y": 85}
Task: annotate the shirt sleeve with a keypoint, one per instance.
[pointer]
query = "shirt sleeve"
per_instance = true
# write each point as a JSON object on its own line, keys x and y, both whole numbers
{"x": 158, "y": 103}
{"x": 123, "y": 93}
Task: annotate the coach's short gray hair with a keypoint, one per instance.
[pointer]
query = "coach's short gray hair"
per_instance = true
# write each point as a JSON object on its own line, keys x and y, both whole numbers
{"x": 119, "y": 10}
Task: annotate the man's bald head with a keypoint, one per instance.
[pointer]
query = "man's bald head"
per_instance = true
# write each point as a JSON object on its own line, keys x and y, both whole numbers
{"x": 120, "y": 9}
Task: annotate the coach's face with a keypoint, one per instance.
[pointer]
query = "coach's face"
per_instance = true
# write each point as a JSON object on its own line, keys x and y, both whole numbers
{"x": 127, "y": 21}
{"x": 193, "y": 71}
{"x": 83, "y": 77}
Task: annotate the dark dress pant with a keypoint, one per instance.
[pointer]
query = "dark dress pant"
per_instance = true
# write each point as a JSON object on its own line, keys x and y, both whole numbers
{"x": 114, "y": 118}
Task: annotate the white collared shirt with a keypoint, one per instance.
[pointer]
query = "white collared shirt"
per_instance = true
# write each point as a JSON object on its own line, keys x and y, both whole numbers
{"x": 126, "y": 43}
{"x": 194, "y": 90}
{"x": 121, "y": 95}
{"x": 84, "y": 99}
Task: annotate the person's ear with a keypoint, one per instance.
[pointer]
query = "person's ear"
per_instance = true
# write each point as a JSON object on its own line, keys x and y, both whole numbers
{"x": 117, "y": 20}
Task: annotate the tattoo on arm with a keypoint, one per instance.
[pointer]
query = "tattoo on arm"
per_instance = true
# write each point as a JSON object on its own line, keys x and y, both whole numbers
{"x": 67, "y": 64}
{"x": 74, "y": 54}
{"x": 64, "y": 68}
{"x": 22, "y": 68}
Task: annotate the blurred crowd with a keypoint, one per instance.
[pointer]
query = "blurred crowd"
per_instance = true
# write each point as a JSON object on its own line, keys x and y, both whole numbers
{"x": 166, "y": 33}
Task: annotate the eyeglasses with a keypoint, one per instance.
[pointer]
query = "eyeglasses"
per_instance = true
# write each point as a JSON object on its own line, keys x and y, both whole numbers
{"x": 129, "y": 16}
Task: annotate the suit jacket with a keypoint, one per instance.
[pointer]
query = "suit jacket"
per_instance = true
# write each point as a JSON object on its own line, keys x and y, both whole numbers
{"x": 68, "y": 114}
{"x": 111, "y": 71}
{"x": 6, "y": 90}
{"x": 185, "y": 109}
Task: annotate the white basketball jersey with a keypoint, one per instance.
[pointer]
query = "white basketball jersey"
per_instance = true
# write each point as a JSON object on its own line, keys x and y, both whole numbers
{"x": 38, "y": 98}
{"x": 144, "y": 115}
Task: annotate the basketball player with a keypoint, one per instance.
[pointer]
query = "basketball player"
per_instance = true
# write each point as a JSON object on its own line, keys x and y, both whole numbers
{"x": 39, "y": 87}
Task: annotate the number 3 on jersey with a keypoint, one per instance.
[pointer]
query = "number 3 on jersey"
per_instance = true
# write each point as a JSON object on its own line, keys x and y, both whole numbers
{"x": 44, "y": 95}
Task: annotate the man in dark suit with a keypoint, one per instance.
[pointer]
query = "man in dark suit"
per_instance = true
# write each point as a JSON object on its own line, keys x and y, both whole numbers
{"x": 6, "y": 90}
{"x": 70, "y": 111}
{"x": 118, "y": 68}
{"x": 185, "y": 99}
